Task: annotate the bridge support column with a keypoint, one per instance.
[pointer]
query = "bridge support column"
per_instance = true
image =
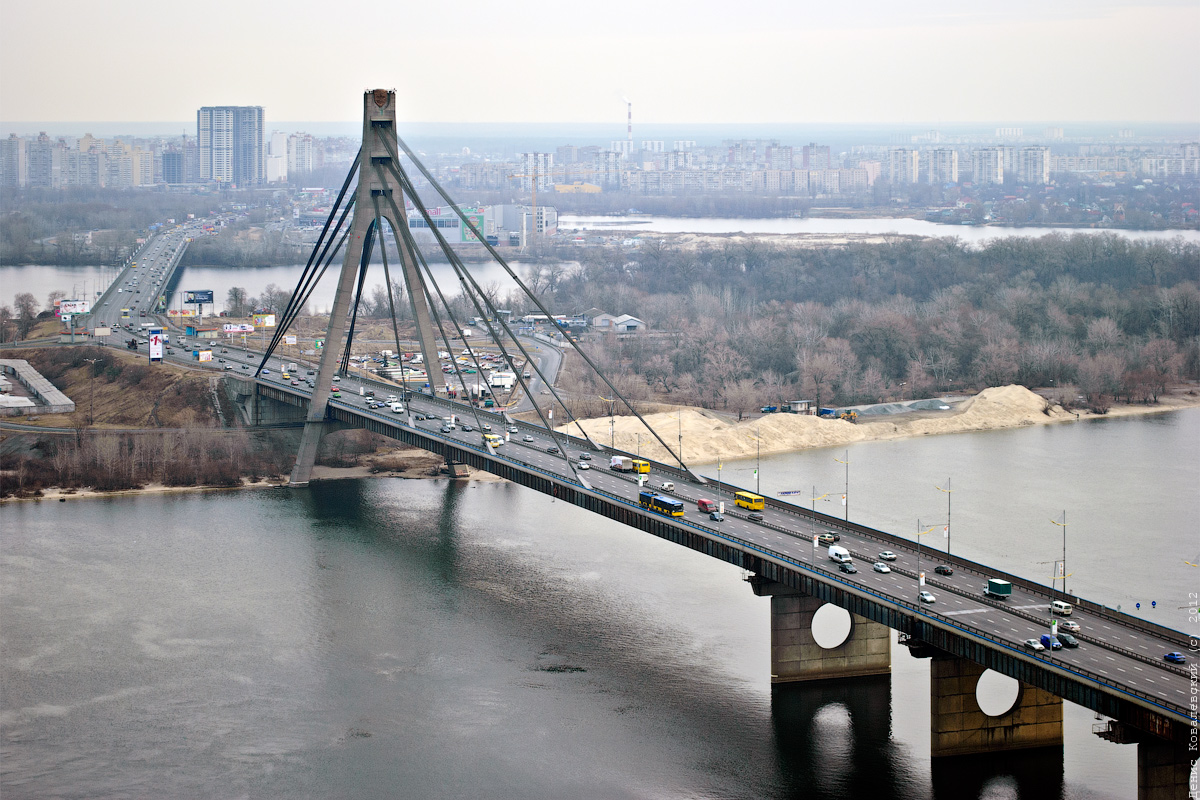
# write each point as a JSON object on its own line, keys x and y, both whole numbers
{"x": 960, "y": 727}
{"x": 795, "y": 654}
{"x": 1164, "y": 770}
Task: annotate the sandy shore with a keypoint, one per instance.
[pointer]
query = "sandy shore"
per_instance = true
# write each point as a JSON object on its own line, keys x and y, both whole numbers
{"x": 707, "y": 436}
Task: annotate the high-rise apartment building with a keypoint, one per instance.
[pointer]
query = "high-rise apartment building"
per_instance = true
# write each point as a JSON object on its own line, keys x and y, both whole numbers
{"x": 987, "y": 166}
{"x": 816, "y": 156}
{"x": 300, "y": 154}
{"x": 230, "y": 139}
{"x": 780, "y": 157}
{"x": 14, "y": 165}
{"x": 540, "y": 165}
{"x": 941, "y": 166}
{"x": 903, "y": 165}
{"x": 44, "y": 163}
{"x": 1034, "y": 165}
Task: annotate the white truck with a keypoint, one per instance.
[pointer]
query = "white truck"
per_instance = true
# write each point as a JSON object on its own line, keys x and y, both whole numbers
{"x": 839, "y": 554}
{"x": 621, "y": 464}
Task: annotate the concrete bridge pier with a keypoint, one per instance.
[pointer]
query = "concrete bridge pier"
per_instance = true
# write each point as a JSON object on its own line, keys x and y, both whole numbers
{"x": 960, "y": 727}
{"x": 1165, "y": 771}
{"x": 796, "y": 655}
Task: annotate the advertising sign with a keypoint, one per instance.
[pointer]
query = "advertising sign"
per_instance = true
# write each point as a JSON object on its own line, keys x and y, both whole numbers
{"x": 74, "y": 306}
{"x": 264, "y": 320}
{"x": 181, "y": 312}
{"x": 156, "y": 344}
{"x": 232, "y": 327}
{"x": 289, "y": 339}
{"x": 476, "y": 218}
{"x": 102, "y": 331}
{"x": 204, "y": 355}
{"x": 202, "y": 296}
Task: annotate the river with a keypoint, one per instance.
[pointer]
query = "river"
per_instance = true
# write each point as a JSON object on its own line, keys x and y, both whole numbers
{"x": 387, "y": 638}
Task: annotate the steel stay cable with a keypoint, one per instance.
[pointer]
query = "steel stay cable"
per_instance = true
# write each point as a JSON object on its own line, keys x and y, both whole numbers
{"x": 438, "y": 187}
{"x": 387, "y": 279}
{"x": 461, "y": 270}
{"x": 364, "y": 262}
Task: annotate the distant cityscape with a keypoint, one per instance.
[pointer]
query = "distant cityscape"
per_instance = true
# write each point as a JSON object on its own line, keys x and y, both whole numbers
{"x": 231, "y": 149}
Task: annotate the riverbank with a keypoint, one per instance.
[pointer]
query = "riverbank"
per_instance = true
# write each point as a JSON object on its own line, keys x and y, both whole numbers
{"x": 706, "y": 436}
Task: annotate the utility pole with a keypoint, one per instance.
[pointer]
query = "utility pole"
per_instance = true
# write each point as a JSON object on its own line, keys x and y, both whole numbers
{"x": 846, "y": 493}
{"x": 947, "y": 490}
{"x": 92, "y": 389}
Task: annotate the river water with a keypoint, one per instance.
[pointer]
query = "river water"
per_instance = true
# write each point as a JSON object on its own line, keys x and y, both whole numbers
{"x": 425, "y": 639}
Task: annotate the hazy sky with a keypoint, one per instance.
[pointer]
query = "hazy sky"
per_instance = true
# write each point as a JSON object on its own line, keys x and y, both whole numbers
{"x": 700, "y": 61}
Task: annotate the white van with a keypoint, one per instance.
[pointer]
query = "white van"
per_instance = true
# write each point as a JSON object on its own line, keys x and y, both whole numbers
{"x": 839, "y": 554}
{"x": 397, "y": 408}
{"x": 1060, "y": 608}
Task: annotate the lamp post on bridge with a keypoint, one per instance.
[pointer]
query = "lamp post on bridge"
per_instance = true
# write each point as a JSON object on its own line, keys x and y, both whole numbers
{"x": 948, "y": 491}
{"x": 1062, "y": 570}
{"x": 846, "y": 493}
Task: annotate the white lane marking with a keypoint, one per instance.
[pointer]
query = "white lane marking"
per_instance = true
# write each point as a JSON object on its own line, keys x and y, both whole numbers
{"x": 966, "y": 611}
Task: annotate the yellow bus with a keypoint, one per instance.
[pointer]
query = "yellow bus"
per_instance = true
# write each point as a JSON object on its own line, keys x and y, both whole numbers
{"x": 640, "y": 466}
{"x": 124, "y": 313}
{"x": 493, "y": 439}
{"x": 749, "y": 501}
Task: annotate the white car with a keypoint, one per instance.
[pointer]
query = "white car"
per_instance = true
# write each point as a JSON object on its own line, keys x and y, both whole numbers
{"x": 879, "y": 566}
{"x": 887, "y": 555}
{"x": 926, "y": 597}
{"x": 582, "y": 465}
{"x": 1034, "y": 644}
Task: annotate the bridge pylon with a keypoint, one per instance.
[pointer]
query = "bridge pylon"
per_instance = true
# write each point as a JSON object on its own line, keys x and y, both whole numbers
{"x": 377, "y": 192}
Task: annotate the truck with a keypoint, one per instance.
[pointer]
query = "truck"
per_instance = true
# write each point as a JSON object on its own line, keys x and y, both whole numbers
{"x": 621, "y": 464}
{"x": 666, "y": 486}
{"x": 1001, "y": 590}
{"x": 839, "y": 554}
{"x": 289, "y": 367}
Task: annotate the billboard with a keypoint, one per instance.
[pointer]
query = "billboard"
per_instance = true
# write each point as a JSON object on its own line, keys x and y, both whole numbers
{"x": 204, "y": 355}
{"x": 156, "y": 344}
{"x": 475, "y": 216}
{"x": 289, "y": 339}
{"x": 74, "y": 306}
{"x": 102, "y": 330}
{"x": 264, "y": 320}
{"x": 181, "y": 312}
{"x": 201, "y": 296}
{"x": 232, "y": 327}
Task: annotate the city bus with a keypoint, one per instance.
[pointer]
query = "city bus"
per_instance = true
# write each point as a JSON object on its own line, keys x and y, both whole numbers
{"x": 663, "y": 505}
{"x": 493, "y": 439}
{"x": 124, "y": 313}
{"x": 640, "y": 466}
{"x": 749, "y": 500}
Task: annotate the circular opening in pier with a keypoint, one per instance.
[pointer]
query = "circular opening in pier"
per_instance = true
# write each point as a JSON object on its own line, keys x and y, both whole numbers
{"x": 831, "y": 626}
{"x": 996, "y": 694}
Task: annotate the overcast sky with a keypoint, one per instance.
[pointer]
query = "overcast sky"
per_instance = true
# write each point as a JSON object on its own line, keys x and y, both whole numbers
{"x": 700, "y": 61}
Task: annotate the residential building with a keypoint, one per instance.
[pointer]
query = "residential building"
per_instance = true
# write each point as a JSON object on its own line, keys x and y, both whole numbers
{"x": 14, "y": 165}
{"x": 815, "y": 156}
{"x": 300, "y": 153}
{"x": 903, "y": 165}
{"x": 231, "y": 144}
{"x": 1034, "y": 166}
{"x": 987, "y": 166}
{"x": 539, "y": 167}
{"x": 941, "y": 166}
{"x": 276, "y": 166}
{"x": 172, "y": 166}
{"x": 44, "y": 157}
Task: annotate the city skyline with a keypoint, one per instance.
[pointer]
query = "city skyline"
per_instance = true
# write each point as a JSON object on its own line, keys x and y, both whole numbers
{"x": 929, "y": 62}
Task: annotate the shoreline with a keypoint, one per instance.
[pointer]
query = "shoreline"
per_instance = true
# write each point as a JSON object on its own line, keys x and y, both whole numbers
{"x": 999, "y": 408}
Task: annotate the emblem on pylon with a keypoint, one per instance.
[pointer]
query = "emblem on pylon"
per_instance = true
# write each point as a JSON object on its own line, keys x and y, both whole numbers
{"x": 381, "y": 97}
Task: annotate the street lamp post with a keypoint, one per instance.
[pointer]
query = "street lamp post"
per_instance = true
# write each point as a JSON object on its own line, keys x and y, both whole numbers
{"x": 758, "y": 462}
{"x": 1063, "y": 569}
{"x": 846, "y": 493}
{"x": 948, "y": 491}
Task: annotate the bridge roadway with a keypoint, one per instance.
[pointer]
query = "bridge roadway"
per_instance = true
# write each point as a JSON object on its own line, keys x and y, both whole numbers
{"x": 1119, "y": 660}
{"x": 1119, "y": 655}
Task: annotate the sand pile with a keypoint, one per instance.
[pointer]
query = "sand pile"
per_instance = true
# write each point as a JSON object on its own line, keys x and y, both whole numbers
{"x": 706, "y": 437}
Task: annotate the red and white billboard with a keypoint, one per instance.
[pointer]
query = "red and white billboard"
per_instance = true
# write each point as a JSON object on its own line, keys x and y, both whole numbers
{"x": 156, "y": 344}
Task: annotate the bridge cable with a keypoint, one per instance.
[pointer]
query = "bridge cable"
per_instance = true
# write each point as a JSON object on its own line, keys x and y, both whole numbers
{"x": 387, "y": 280}
{"x": 500, "y": 260}
{"x": 460, "y": 269}
{"x": 364, "y": 262}
{"x": 292, "y": 309}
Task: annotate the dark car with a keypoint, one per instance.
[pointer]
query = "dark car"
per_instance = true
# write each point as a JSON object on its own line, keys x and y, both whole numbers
{"x": 846, "y": 566}
{"x": 942, "y": 569}
{"x": 1050, "y": 642}
{"x": 716, "y": 516}
{"x": 552, "y": 450}
{"x": 1068, "y": 640}
{"x": 585, "y": 456}
{"x": 755, "y": 516}
{"x": 466, "y": 427}
{"x": 1175, "y": 658}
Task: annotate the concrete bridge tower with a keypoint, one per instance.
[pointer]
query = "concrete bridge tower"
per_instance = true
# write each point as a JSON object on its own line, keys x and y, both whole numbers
{"x": 377, "y": 197}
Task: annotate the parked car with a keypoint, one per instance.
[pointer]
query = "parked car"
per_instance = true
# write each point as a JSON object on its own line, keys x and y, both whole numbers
{"x": 942, "y": 569}
{"x": 926, "y": 597}
{"x": 887, "y": 555}
{"x": 879, "y": 566}
{"x": 1034, "y": 644}
{"x": 1175, "y": 658}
